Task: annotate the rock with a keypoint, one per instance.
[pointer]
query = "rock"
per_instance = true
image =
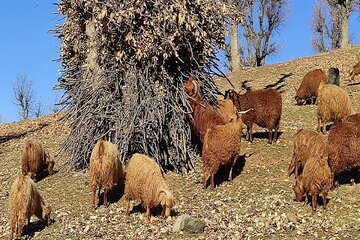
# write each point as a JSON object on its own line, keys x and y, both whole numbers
{"x": 189, "y": 224}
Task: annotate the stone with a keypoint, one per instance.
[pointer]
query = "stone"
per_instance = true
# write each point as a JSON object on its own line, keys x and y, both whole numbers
{"x": 186, "y": 223}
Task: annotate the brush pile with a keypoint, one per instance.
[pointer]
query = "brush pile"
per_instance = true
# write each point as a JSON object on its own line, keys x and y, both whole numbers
{"x": 123, "y": 65}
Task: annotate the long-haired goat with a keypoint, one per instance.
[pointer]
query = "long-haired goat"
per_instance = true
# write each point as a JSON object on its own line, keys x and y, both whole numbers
{"x": 221, "y": 148}
{"x": 315, "y": 179}
{"x": 204, "y": 116}
{"x": 265, "y": 109}
{"x": 355, "y": 71}
{"x": 106, "y": 170}
{"x": 309, "y": 86}
{"x": 25, "y": 201}
{"x": 35, "y": 159}
{"x": 333, "y": 105}
{"x": 145, "y": 182}
{"x": 344, "y": 147}
{"x": 307, "y": 144}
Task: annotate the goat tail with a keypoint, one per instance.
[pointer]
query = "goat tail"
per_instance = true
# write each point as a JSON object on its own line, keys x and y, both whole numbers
{"x": 101, "y": 150}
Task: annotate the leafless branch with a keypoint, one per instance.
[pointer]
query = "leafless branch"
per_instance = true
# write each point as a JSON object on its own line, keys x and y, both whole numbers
{"x": 23, "y": 95}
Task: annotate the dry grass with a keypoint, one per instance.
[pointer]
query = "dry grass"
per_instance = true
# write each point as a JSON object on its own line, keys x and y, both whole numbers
{"x": 259, "y": 204}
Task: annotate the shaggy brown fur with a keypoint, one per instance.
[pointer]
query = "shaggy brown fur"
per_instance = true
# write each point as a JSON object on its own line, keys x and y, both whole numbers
{"x": 25, "y": 201}
{"x": 307, "y": 144}
{"x": 106, "y": 170}
{"x": 204, "y": 115}
{"x": 333, "y": 105}
{"x": 309, "y": 86}
{"x": 221, "y": 148}
{"x": 35, "y": 159}
{"x": 355, "y": 118}
{"x": 266, "y": 109}
{"x": 316, "y": 179}
{"x": 145, "y": 183}
{"x": 344, "y": 147}
{"x": 227, "y": 109}
{"x": 355, "y": 71}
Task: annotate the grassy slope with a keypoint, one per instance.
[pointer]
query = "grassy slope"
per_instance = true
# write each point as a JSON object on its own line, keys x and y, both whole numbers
{"x": 258, "y": 204}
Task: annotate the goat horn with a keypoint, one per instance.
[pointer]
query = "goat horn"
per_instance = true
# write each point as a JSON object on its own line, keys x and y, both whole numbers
{"x": 243, "y": 112}
{"x": 196, "y": 86}
{"x": 163, "y": 190}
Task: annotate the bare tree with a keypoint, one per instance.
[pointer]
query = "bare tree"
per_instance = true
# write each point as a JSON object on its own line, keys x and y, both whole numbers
{"x": 23, "y": 95}
{"x": 38, "y": 108}
{"x": 56, "y": 106}
{"x": 260, "y": 21}
{"x": 233, "y": 50}
{"x": 234, "y": 47}
{"x": 330, "y": 23}
{"x": 326, "y": 27}
{"x": 345, "y": 7}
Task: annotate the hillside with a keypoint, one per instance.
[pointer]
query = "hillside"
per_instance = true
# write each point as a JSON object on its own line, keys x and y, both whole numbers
{"x": 257, "y": 205}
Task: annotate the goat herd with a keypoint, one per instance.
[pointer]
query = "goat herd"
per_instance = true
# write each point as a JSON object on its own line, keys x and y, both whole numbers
{"x": 316, "y": 159}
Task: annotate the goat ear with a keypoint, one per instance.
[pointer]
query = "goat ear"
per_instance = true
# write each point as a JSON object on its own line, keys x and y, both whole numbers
{"x": 163, "y": 199}
{"x": 299, "y": 183}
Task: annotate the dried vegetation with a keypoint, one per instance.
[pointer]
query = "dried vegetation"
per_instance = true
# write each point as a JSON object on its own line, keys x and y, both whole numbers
{"x": 123, "y": 67}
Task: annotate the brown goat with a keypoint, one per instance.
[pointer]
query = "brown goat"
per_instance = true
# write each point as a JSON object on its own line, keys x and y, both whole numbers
{"x": 227, "y": 109}
{"x": 315, "y": 179}
{"x": 25, "y": 201}
{"x": 355, "y": 71}
{"x": 344, "y": 147}
{"x": 309, "y": 86}
{"x": 307, "y": 144}
{"x": 333, "y": 105}
{"x": 221, "y": 148}
{"x": 204, "y": 116}
{"x": 35, "y": 159}
{"x": 355, "y": 118}
{"x": 265, "y": 106}
{"x": 106, "y": 170}
{"x": 145, "y": 183}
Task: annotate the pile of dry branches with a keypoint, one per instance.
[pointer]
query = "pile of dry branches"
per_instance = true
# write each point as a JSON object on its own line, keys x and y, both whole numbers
{"x": 124, "y": 63}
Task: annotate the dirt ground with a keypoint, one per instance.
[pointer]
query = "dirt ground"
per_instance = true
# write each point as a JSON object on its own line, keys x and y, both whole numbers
{"x": 257, "y": 205}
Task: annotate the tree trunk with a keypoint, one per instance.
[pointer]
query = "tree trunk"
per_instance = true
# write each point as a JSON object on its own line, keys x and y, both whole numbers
{"x": 234, "y": 47}
{"x": 93, "y": 68}
{"x": 344, "y": 26}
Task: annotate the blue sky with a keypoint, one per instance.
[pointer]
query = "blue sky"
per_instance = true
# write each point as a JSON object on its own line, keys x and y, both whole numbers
{"x": 26, "y": 46}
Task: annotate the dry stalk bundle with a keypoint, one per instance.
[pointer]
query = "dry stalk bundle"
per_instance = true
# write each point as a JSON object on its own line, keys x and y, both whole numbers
{"x": 123, "y": 67}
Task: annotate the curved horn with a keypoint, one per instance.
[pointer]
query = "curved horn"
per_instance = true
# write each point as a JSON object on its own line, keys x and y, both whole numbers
{"x": 163, "y": 190}
{"x": 243, "y": 112}
{"x": 196, "y": 87}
